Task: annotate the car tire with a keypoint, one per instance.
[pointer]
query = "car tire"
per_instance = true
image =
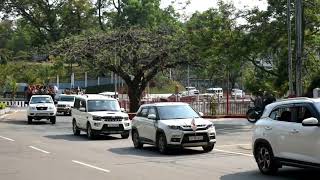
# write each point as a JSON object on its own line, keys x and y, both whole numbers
{"x": 208, "y": 148}
{"x": 75, "y": 129}
{"x": 90, "y": 133}
{"x": 265, "y": 159}
{"x": 53, "y": 120}
{"x": 125, "y": 135}
{"x": 29, "y": 120}
{"x": 162, "y": 143}
{"x": 136, "y": 140}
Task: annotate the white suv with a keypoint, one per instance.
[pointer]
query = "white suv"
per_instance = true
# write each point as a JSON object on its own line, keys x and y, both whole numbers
{"x": 288, "y": 133}
{"x": 41, "y": 107}
{"x": 172, "y": 125}
{"x": 98, "y": 114}
{"x": 65, "y": 104}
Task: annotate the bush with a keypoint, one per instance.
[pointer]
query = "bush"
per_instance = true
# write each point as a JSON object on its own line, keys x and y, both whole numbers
{"x": 2, "y": 105}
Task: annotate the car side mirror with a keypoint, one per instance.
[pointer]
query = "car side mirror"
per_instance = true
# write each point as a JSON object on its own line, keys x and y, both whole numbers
{"x": 310, "y": 122}
{"x": 82, "y": 109}
{"x": 55, "y": 102}
{"x": 152, "y": 116}
{"x": 122, "y": 110}
{"x": 201, "y": 114}
{"x": 26, "y": 102}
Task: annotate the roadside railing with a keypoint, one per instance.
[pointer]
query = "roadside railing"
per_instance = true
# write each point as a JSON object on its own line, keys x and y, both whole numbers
{"x": 206, "y": 107}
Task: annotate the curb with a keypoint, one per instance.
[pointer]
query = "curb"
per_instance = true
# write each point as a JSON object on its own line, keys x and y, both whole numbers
{"x": 4, "y": 111}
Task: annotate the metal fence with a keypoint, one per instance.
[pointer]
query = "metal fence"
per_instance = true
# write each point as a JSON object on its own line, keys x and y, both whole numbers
{"x": 207, "y": 107}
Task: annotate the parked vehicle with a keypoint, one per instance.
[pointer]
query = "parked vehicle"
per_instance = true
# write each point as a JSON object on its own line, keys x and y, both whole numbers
{"x": 214, "y": 92}
{"x": 65, "y": 104}
{"x": 288, "y": 135}
{"x": 41, "y": 107}
{"x": 190, "y": 91}
{"x": 98, "y": 114}
{"x": 237, "y": 93}
{"x": 174, "y": 124}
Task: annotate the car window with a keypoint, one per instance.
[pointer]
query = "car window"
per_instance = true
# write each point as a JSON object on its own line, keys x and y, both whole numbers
{"x": 282, "y": 114}
{"x": 143, "y": 112}
{"x": 176, "y": 112}
{"x": 83, "y": 104}
{"x": 152, "y": 110}
{"x": 302, "y": 113}
{"x": 77, "y": 104}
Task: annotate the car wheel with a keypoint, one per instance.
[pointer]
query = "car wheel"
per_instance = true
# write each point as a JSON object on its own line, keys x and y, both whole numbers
{"x": 136, "y": 140}
{"x": 53, "y": 120}
{"x": 125, "y": 135}
{"x": 265, "y": 159}
{"x": 90, "y": 133}
{"x": 162, "y": 144}
{"x": 75, "y": 129}
{"x": 29, "y": 120}
{"x": 208, "y": 148}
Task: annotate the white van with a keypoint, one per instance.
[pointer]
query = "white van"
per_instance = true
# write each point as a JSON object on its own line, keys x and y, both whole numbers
{"x": 98, "y": 114}
{"x": 215, "y": 92}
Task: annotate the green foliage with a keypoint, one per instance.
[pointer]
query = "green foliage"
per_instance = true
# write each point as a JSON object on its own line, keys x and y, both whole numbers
{"x": 3, "y": 105}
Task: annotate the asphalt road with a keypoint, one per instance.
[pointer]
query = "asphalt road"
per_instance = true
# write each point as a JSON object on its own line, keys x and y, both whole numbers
{"x": 44, "y": 151}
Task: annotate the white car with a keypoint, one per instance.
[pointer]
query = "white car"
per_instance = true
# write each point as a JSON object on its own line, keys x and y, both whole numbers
{"x": 98, "y": 114}
{"x": 191, "y": 91}
{"x": 214, "y": 92}
{"x": 41, "y": 107}
{"x": 237, "y": 93}
{"x": 172, "y": 124}
{"x": 288, "y": 133}
{"x": 65, "y": 104}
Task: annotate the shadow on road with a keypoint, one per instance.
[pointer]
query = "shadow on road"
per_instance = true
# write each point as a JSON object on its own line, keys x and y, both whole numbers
{"x": 232, "y": 128}
{"x": 289, "y": 173}
{"x": 82, "y": 137}
{"x": 24, "y": 122}
{"x": 151, "y": 151}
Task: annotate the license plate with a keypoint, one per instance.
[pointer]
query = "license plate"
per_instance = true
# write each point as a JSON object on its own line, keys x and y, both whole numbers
{"x": 42, "y": 114}
{"x": 195, "y": 138}
{"x": 113, "y": 125}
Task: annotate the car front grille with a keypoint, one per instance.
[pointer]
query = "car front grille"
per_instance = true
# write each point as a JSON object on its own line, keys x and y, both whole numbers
{"x": 112, "y": 119}
{"x": 42, "y": 108}
{"x": 186, "y": 138}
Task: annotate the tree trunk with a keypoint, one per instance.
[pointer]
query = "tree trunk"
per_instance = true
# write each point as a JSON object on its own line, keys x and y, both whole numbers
{"x": 134, "y": 94}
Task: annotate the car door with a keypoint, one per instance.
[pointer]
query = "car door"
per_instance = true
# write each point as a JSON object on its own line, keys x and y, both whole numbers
{"x": 304, "y": 141}
{"x": 141, "y": 122}
{"x": 83, "y": 115}
{"x": 150, "y": 125}
{"x": 280, "y": 130}
{"x": 76, "y": 112}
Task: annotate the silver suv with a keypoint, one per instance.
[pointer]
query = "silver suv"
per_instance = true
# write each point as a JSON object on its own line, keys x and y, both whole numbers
{"x": 168, "y": 125}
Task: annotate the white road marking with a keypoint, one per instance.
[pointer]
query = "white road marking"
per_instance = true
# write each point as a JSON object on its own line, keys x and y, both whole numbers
{"x": 88, "y": 165}
{"x": 226, "y": 145}
{"x": 39, "y": 149}
{"x": 6, "y": 138}
{"x": 230, "y": 152}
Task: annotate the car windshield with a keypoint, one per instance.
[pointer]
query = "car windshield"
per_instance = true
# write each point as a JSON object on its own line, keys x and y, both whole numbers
{"x": 176, "y": 112}
{"x": 103, "y": 105}
{"x": 36, "y": 100}
{"x": 67, "y": 98}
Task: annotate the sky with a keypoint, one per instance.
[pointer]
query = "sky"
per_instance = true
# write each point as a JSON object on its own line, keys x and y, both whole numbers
{"x": 202, "y": 5}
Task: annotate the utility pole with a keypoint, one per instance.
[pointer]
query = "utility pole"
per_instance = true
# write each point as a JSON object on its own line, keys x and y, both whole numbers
{"x": 291, "y": 92}
{"x": 299, "y": 35}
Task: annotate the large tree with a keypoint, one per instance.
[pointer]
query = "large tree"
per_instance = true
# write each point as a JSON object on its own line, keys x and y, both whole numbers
{"x": 137, "y": 55}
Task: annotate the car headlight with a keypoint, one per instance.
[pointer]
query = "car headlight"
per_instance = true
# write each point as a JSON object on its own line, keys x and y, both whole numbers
{"x": 210, "y": 126}
{"x": 33, "y": 108}
{"x": 68, "y": 105}
{"x": 50, "y": 108}
{"x": 96, "y": 118}
{"x": 126, "y": 118}
{"x": 174, "y": 127}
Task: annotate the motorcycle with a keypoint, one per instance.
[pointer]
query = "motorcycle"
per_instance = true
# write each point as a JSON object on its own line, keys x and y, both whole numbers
{"x": 253, "y": 114}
